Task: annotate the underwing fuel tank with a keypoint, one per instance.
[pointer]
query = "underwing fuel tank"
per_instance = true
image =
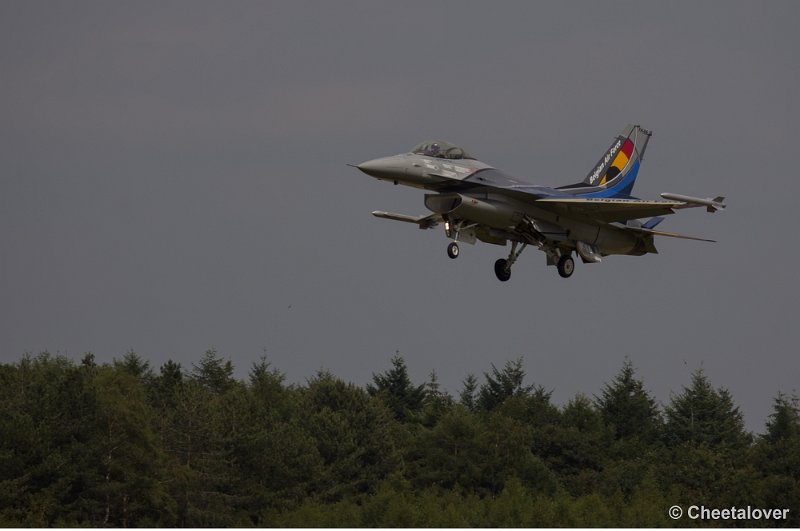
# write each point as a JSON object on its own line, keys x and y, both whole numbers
{"x": 487, "y": 212}
{"x": 590, "y": 254}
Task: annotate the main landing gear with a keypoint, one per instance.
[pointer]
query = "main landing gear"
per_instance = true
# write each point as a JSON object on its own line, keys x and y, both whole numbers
{"x": 565, "y": 265}
{"x": 502, "y": 270}
{"x": 502, "y": 267}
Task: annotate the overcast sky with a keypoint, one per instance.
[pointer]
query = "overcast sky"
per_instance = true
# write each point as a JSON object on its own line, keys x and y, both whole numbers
{"x": 173, "y": 179}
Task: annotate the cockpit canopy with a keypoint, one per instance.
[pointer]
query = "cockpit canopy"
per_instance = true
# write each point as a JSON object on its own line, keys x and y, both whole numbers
{"x": 440, "y": 150}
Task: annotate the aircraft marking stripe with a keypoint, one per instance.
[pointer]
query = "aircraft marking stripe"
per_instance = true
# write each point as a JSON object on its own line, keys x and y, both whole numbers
{"x": 622, "y": 186}
{"x": 627, "y": 148}
{"x": 620, "y": 161}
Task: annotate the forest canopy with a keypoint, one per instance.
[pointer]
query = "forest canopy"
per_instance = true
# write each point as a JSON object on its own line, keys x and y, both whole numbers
{"x": 125, "y": 444}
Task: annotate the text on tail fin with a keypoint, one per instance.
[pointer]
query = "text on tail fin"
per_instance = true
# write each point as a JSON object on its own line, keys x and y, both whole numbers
{"x": 619, "y": 155}
{"x": 615, "y": 173}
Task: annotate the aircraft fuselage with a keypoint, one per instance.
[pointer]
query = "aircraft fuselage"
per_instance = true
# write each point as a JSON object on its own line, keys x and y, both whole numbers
{"x": 475, "y": 201}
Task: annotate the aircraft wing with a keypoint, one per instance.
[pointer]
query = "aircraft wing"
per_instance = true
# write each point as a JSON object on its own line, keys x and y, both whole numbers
{"x": 602, "y": 209}
{"x": 424, "y": 222}
{"x": 609, "y": 210}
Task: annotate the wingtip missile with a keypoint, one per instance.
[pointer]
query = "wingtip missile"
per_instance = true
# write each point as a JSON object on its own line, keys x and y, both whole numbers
{"x": 712, "y": 205}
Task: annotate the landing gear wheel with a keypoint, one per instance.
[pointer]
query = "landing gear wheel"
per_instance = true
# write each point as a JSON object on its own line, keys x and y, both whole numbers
{"x": 502, "y": 270}
{"x": 453, "y": 250}
{"x": 566, "y": 266}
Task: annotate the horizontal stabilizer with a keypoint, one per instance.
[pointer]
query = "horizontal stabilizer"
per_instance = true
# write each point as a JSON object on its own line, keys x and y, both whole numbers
{"x": 644, "y": 230}
{"x": 681, "y": 236}
{"x": 712, "y": 205}
{"x": 424, "y": 222}
{"x": 652, "y": 222}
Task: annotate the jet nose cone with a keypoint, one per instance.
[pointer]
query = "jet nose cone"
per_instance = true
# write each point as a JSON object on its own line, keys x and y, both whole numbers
{"x": 367, "y": 166}
{"x": 383, "y": 168}
{"x": 371, "y": 167}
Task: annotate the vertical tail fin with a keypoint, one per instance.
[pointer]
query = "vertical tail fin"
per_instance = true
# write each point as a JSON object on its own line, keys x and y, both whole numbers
{"x": 615, "y": 173}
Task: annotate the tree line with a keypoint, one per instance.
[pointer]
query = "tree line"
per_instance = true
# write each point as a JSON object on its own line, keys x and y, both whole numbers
{"x": 125, "y": 445}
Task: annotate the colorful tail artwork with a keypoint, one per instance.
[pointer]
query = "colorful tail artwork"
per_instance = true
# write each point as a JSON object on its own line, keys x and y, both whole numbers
{"x": 615, "y": 173}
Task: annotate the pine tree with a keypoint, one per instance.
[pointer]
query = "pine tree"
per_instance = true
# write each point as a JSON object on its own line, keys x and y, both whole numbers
{"x": 268, "y": 390}
{"x": 706, "y": 442}
{"x": 468, "y": 395}
{"x": 200, "y": 464}
{"x": 354, "y": 434}
{"x": 776, "y": 457}
{"x": 574, "y": 446}
{"x": 778, "y": 451}
{"x": 395, "y": 388}
{"x": 133, "y": 364}
{"x": 213, "y": 372}
{"x": 436, "y": 403}
{"x": 167, "y": 383}
{"x": 503, "y": 384}
{"x": 447, "y": 455}
{"x": 784, "y": 421}
{"x": 129, "y": 461}
{"x": 703, "y": 415}
{"x": 628, "y": 408}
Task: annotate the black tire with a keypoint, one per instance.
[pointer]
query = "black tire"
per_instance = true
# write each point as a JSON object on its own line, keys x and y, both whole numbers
{"x": 502, "y": 270}
{"x": 453, "y": 250}
{"x": 566, "y": 266}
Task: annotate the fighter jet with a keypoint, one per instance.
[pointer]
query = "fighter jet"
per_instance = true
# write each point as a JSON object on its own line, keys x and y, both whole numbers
{"x": 594, "y": 218}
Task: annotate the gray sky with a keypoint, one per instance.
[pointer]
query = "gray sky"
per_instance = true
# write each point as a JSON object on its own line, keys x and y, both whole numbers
{"x": 172, "y": 179}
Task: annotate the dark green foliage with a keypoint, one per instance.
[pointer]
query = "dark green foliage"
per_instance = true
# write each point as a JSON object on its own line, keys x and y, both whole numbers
{"x": 575, "y": 446}
{"x": 213, "y": 373}
{"x": 468, "y": 395}
{"x": 119, "y": 445}
{"x": 776, "y": 457}
{"x": 784, "y": 422}
{"x": 135, "y": 366}
{"x": 702, "y": 415}
{"x": 78, "y": 447}
{"x": 394, "y": 387}
{"x": 502, "y": 384}
{"x": 449, "y": 454}
{"x": 628, "y": 409}
{"x": 436, "y": 402}
{"x": 355, "y": 436}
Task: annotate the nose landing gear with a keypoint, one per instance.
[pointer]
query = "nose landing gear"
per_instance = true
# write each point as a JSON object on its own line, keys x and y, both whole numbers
{"x": 454, "y": 230}
{"x": 453, "y": 250}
